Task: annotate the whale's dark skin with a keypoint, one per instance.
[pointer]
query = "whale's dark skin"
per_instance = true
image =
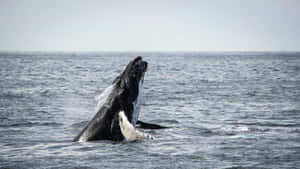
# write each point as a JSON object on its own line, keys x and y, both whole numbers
{"x": 105, "y": 124}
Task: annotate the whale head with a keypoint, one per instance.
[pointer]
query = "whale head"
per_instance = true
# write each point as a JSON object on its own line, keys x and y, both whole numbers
{"x": 129, "y": 85}
{"x": 132, "y": 77}
{"x": 133, "y": 73}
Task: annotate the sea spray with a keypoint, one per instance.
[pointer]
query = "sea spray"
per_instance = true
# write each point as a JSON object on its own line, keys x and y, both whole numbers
{"x": 102, "y": 98}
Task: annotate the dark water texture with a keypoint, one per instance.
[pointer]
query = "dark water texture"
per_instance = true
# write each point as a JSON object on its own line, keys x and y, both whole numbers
{"x": 238, "y": 109}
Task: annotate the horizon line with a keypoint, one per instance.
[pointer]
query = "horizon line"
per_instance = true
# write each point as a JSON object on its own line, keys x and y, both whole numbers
{"x": 146, "y": 51}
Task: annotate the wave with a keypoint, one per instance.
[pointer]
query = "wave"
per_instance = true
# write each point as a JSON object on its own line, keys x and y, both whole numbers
{"x": 79, "y": 124}
{"x": 30, "y": 124}
{"x": 11, "y": 95}
{"x": 269, "y": 124}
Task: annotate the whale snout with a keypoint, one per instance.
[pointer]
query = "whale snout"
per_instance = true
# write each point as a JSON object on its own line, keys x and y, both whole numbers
{"x": 140, "y": 64}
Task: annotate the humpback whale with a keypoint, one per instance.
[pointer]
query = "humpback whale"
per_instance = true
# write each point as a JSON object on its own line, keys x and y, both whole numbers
{"x": 119, "y": 107}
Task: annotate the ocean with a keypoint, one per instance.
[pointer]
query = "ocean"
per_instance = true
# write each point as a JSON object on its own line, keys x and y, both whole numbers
{"x": 224, "y": 110}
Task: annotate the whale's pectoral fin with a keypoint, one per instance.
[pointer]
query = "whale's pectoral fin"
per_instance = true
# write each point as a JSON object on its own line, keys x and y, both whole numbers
{"x": 144, "y": 125}
{"x": 128, "y": 130}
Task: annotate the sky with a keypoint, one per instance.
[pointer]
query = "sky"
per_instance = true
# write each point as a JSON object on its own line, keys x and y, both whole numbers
{"x": 150, "y": 25}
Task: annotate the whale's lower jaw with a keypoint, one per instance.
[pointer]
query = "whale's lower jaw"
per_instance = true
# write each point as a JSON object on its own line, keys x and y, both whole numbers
{"x": 128, "y": 130}
{"x": 137, "y": 104}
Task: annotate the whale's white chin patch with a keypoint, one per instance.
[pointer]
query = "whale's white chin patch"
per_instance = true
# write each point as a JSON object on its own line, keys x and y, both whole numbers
{"x": 128, "y": 131}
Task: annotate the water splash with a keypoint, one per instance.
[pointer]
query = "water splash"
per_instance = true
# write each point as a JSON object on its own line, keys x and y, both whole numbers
{"x": 102, "y": 98}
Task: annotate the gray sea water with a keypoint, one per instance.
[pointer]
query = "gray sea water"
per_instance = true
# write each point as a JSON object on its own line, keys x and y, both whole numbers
{"x": 225, "y": 110}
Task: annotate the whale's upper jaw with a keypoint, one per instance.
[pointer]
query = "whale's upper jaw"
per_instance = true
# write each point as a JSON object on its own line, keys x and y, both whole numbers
{"x": 136, "y": 69}
{"x": 133, "y": 74}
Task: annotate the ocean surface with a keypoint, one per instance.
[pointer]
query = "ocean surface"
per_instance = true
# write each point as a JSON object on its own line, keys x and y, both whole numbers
{"x": 224, "y": 110}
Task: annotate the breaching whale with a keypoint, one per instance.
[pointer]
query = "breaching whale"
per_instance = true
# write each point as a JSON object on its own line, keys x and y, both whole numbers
{"x": 119, "y": 107}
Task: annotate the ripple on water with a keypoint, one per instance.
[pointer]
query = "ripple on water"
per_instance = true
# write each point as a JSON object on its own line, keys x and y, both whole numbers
{"x": 224, "y": 110}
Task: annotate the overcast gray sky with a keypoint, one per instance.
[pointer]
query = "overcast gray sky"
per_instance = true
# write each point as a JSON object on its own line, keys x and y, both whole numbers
{"x": 150, "y": 25}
